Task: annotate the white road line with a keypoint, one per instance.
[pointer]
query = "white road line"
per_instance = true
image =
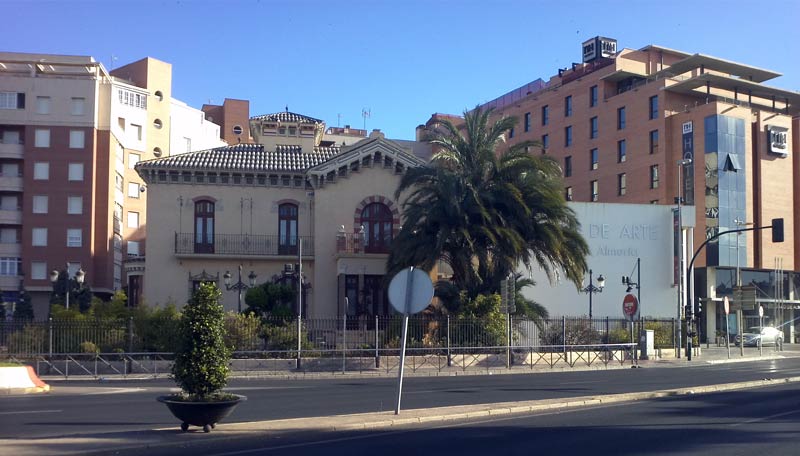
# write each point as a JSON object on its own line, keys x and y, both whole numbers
{"x": 765, "y": 418}
{"x": 116, "y": 391}
{"x": 20, "y": 412}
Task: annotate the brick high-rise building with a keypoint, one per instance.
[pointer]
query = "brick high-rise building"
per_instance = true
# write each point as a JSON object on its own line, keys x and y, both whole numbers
{"x": 620, "y": 121}
{"x": 70, "y": 135}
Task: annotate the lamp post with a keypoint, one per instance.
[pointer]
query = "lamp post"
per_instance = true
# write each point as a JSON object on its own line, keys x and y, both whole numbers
{"x": 239, "y": 285}
{"x": 592, "y": 289}
{"x": 681, "y": 299}
{"x": 80, "y": 275}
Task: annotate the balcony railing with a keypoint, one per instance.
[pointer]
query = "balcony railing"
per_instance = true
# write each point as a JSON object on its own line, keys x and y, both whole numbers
{"x": 356, "y": 243}
{"x": 243, "y": 245}
{"x": 12, "y": 150}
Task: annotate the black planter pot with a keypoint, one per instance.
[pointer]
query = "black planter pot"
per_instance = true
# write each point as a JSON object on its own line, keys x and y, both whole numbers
{"x": 204, "y": 414}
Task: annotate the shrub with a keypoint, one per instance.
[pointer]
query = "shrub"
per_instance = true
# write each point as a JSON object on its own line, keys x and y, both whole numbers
{"x": 282, "y": 335}
{"x": 201, "y": 361}
{"x": 662, "y": 333}
{"x": 89, "y": 347}
{"x": 242, "y": 331}
{"x": 32, "y": 339}
{"x": 578, "y": 332}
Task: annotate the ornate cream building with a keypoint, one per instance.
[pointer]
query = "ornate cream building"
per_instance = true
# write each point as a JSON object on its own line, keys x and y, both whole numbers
{"x": 296, "y": 200}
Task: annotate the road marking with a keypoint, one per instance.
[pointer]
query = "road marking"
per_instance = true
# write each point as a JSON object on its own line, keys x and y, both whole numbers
{"x": 116, "y": 391}
{"x": 20, "y": 412}
{"x": 765, "y": 418}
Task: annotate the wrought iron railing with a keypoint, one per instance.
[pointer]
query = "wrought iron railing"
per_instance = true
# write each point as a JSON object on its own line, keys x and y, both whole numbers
{"x": 243, "y": 244}
{"x": 143, "y": 346}
{"x": 358, "y": 243}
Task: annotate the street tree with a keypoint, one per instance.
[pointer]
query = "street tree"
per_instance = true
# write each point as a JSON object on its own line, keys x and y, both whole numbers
{"x": 484, "y": 210}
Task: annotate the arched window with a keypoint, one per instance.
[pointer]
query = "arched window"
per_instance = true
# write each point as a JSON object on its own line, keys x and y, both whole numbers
{"x": 204, "y": 226}
{"x": 377, "y": 221}
{"x": 287, "y": 229}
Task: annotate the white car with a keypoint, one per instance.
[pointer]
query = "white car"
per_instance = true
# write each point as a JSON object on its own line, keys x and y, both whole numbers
{"x": 757, "y": 335}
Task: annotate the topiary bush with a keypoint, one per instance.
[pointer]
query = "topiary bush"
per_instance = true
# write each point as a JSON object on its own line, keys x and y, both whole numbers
{"x": 201, "y": 361}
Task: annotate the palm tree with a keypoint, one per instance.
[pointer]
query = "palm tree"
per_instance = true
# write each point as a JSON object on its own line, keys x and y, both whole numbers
{"x": 483, "y": 212}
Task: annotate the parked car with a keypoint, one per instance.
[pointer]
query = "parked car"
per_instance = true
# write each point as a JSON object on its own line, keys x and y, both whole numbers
{"x": 757, "y": 335}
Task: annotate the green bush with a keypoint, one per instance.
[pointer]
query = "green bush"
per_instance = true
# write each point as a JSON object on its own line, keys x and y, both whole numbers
{"x": 32, "y": 339}
{"x": 619, "y": 336}
{"x": 282, "y": 335}
{"x": 662, "y": 333}
{"x": 243, "y": 331}
{"x": 201, "y": 361}
{"x": 578, "y": 332}
{"x": 479, "y": 323}
{"x": 89, "y": 347}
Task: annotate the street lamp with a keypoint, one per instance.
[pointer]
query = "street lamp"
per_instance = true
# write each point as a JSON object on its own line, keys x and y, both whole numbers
{"x": 80, "y": 276}
{"x": 239, "y": 285}
{"x": 592, "y": 289}
{"x": 681, "y": 298}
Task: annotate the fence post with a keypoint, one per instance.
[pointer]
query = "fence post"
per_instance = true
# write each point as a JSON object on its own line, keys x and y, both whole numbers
{"x": 299, "y": 343}
{"x": 50, "y": 336}
{"x": 608, "y": 334}
{"x": 674, "y": 342}
{"x": 130, "y": 334}
{"x": 509, "y": 353}
{"x": 449, "y": 356}
{"x": 564, "y": 333}
{"x": 377, "y": 354}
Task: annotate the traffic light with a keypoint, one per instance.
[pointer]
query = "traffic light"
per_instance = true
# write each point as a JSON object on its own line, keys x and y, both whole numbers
{"x": 699, "y": 306}
{"x": 777, "y": 230}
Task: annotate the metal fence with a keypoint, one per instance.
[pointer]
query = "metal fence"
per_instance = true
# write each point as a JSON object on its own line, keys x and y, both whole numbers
{"x": 145, "y": 346}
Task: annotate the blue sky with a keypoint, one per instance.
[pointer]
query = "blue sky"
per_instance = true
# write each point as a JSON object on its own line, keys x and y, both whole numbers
{"x": 402, "y": 60}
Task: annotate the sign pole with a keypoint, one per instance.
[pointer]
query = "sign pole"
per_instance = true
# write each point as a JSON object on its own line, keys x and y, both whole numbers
{"x": 406, "y": 310}
{"x": 402, "y": 365}
{"x": 408, "y": 296}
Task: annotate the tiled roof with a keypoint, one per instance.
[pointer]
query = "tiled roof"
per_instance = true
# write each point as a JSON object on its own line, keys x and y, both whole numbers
{"x": 286, "y": 116}
{"x": 244, "y": 157}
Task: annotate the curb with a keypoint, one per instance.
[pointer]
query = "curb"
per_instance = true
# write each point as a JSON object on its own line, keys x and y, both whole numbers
{"x": 21, "y": 380}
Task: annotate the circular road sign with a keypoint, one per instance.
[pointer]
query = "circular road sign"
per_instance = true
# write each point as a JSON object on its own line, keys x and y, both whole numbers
{"x": 760, "y": 311}
{"x": 630, "y": 305}
{"x": 727, "y": 306}
{"x": 410, "y": 291}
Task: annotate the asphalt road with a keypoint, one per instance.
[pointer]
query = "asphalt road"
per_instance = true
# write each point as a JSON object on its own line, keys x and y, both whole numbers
{"x": 77, "y": 407}
{"x": 760, "y": 421}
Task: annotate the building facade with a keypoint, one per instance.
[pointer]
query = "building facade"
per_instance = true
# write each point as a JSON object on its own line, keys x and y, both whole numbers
{"x": 290, "y": 205}
{"x": 71, "y": 134}
{"x": 620, "y": 121}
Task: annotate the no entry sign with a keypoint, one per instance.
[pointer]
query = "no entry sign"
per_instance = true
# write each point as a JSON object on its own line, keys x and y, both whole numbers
{"x": 630, "y": 305}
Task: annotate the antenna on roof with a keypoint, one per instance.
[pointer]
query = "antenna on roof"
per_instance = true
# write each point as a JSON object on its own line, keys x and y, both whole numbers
{"x": 366, "y": 112}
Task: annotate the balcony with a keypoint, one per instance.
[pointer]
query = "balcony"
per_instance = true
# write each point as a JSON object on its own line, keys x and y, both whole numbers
{"x": 242, "y": 245}
{"x": 10, "y": 282}
{"x": 10, "y": 249}
{"x": 10, "y": 217}
{"x": 12, "y": 150}
{"x": 355, "y": 243}
{"x": 10, "y": 184}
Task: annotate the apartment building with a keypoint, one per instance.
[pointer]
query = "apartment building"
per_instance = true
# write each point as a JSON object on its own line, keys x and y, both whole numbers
{"x": 620, "y": 121}
{"x": 71, "y": 133}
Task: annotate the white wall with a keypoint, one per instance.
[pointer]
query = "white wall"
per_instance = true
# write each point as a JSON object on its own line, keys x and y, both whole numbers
{"x": 617, "y": 235}
{"x": 188, "y": 122}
